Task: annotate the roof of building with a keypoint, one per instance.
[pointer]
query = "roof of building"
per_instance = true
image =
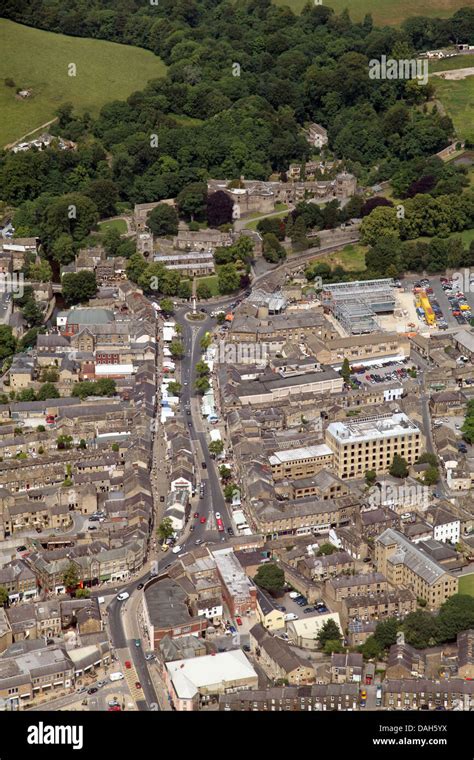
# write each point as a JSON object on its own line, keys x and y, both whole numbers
{"x": 410, "y": 555}
{"x": 87, "y": 316}
{"x": 370, "y": 428}
{"x": 305, "y": 452}
{"x": 188, "y": 676}
{"x": 309, "y": 626}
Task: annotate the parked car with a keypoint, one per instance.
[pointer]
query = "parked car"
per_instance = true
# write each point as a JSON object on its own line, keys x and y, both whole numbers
{"x": 93, "y": 690}
{"x": 138, "y": 685}
{"x": 238, "y": 620}
{"x": 128, "y": 664}
{"x": 137, "y": 642}
{"x": 140, "y": 586}
{"x": 196, "y": 514}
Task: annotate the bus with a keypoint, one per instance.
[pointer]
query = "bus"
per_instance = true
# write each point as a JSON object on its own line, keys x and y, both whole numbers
{"x": 220, "y": 525}
{"x": 378, "y": 696}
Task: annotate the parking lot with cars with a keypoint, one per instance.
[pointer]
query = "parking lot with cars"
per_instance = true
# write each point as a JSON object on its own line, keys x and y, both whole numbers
{"x": 452, "y": 306}
{"x": 382, "y": 372}
{"x": 459, "y": 305}
{"x": 293, "y": 603}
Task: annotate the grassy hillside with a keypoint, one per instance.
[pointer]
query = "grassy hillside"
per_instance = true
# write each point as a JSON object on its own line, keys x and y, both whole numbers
{"x": 39, "y": 60}
{"x": 457, "y": 98}
{"x": 385, "y": 12}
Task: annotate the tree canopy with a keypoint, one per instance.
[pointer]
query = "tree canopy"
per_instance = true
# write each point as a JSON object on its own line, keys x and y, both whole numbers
{"x": 270, "y": 577}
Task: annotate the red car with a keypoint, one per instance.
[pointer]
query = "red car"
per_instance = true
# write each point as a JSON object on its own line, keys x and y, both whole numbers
{"x": 128, "y": 664}
{"x": 196, "y": 514}
{"x": 203, "y": 520}
{"x": 115, "y": 708}
{"x": 238, "y": 621}
{"x": 138, "y": 685}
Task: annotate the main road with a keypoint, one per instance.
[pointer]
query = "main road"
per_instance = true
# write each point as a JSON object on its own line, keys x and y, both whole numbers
{"x": 213, "y": 501}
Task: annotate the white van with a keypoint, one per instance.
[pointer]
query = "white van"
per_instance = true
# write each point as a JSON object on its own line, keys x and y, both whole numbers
{"x": 290, "y": 616}
{"x": 117, "y": 676}
{"x": 176, "y": 549}
{"x": 124, "y": 595}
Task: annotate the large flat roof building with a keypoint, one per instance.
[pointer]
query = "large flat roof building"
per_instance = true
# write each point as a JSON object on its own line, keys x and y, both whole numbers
{"x": 238, "y": 590}
{"x": 370, "y": 443}
{"x": 301, "y": 462}
{"x": 193, "y": 682}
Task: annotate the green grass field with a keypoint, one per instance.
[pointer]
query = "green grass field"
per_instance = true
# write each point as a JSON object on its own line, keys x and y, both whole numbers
{"x": 39, "y": 60}
{"x": 114, "y": 224}
{"x": 211, "y": 281}
{"x": 447, "y": 64}
{"x": 458, "y": 99}
{"x": 384, "y": 12}
{"x": 256, "y": 217}
{"x": 466, "y": 584}
{"x": 351, "y": 257}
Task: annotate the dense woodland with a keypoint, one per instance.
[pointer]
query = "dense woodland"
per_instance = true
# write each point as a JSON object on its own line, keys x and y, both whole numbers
{"x": 211, "y": 123}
